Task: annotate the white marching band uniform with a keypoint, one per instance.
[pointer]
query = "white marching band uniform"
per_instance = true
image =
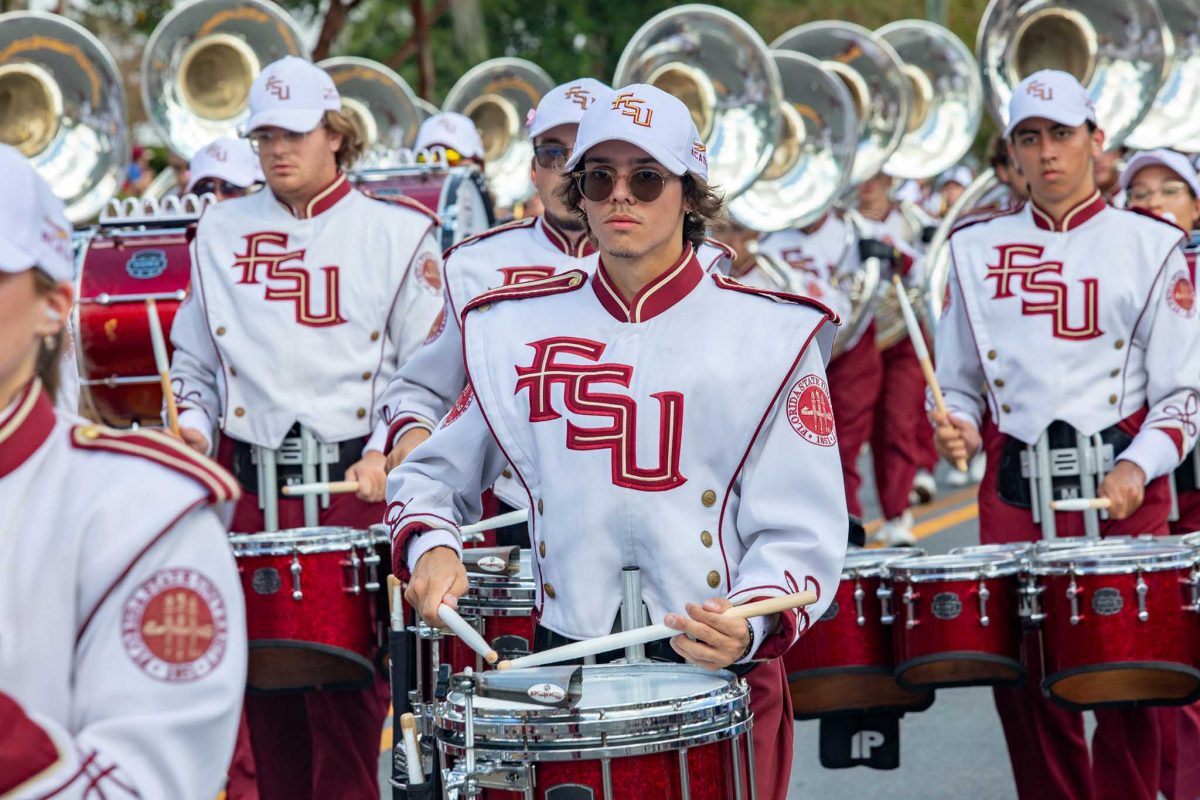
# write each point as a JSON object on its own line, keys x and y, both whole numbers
{"x": 672, "y": 479}
{"x": 287, "y": 265}
{"x": 1101, "y": 274}
{"x": 122, "y": 635}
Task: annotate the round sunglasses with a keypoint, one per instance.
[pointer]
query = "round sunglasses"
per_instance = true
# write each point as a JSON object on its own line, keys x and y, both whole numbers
{"x": 598, "y": 184}
{"x": 224, "y": 188}
{"x": 552, "y": 156}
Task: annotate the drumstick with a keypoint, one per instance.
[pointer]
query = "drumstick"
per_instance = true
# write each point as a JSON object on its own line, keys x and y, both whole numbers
{"x": 469, "y": 635}
{"x": 159, "y": 344}
{"x": 1081, "y": 504}
{"x": 651, "y": 633}
{"x": 416, "y": 775}
{"x": 918, "y": 342}
{"x": 395, "y": 607}
{"x": 511, "y": 518}
{"x": 320, "y": 487}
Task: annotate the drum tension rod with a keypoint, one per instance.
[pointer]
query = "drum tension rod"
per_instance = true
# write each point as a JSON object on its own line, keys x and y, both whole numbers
{"x": 984, "y": 594}
{"x": 909, "y": 606}
{"x": 859, "y": 594}
{"x": 1073, "y": 592}
{"x": 296, "y": 593}
{"x": 1142, "y": 590}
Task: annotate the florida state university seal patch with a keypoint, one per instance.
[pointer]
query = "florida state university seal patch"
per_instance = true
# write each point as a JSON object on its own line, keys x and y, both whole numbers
{"x": 1181, "y": 295}
{"x": 174, "y": 625}
{"x": 810, "y": 412}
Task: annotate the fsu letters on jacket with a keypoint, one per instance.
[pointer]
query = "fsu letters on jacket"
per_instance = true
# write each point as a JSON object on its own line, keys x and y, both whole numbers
{"x": 643, "y": 436}
{"x": 122, "y": 636}
{"x": 330, "y": 298}
{"x": 1073, "y": 320}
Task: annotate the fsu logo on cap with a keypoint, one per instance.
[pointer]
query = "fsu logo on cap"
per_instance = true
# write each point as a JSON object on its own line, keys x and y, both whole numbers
{"x": 634, "y": 108}
{"x": 579, "y": 96}
{"x": 1039, "y": 90}
{"x": 174, "y": 626}
{"x": 216, "y": 151}
{"x": 810, "y": 411}
{"x": 278, "y": 88}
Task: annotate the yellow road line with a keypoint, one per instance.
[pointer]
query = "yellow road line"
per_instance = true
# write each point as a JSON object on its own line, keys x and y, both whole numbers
{"x": 920, "y": 512}
{"x": 947, "y": 520}
{"x": 385, "y": 740}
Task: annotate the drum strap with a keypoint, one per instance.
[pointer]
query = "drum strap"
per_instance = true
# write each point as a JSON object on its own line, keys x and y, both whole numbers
{"x": 1187, "y": 474}
{"x": 331, "y": 460}
{"x": 1070, "y": 464}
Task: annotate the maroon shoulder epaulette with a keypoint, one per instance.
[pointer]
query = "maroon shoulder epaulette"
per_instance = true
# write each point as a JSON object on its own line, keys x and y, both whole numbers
{"x": 407, "y": 202}
{"x": 508, "y": 226}
{"x": 1143, "y": 212}
{"x": 984, "y": 217}
{"x": 724, "y": 248}
{"x": 161, "y": 449}
{"x": 556, "y": 284}
{"x": 733, "y": 284}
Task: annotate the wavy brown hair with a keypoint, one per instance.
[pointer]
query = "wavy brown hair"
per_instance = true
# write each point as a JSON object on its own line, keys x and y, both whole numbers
{"x": 706, "y": 206}
{"x": 353, "y": 142}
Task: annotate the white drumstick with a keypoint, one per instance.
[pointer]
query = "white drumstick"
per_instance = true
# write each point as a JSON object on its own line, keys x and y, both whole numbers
{"x": 158, "y": 343}
{"x": 463, "y": 630}
{"x": 511, "y": 518}
{"x": 650, "y": 633}
{"x": 1081, "y": 504}
{"x": 321, "y": 487}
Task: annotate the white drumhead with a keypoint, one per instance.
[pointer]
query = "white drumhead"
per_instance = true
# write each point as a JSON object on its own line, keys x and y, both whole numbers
{"x": 616, "y": 686}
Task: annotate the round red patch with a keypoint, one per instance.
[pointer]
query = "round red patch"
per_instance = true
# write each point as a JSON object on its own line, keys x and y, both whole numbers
{"x": 460, "y": 405}
{"x": 174, "y": 625}
{"x": 439, "y": 325}
{"x": 431, "y": 273}
{"x": 810, "y": 412}
{"x": 1181, "y": 296}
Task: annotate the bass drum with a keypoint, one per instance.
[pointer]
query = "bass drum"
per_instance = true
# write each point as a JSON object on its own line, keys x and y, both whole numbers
{"x": 121, "y": 266}
{"x": 458, "y": 195}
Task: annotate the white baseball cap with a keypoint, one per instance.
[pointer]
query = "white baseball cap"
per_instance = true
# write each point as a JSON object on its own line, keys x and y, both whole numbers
{"x": 960, "y": 175}
{"x": 1176, "y": 162}
{"x": 229, "y": 160}
{"x": 34, "y": 231}
{"x": 450, "y": 130}
{"x": 650, "y": 118}
{"x": 1052, "y": 94}
{"x": 565, "y": 104}
{"x": 292, "y": 94}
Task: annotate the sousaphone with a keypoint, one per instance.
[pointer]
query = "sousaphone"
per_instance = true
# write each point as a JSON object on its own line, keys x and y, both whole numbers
{"x": 721, "y": 69}
{"x": 498, "y": 95}
{"x": 200, "y": 62}
{"x": 382, "y": 104}
{"x": 61, "y": 104}
{"x": 1172, "y": 120}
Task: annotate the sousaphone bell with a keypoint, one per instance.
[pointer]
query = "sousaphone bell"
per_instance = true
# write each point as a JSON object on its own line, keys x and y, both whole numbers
{"x": 383, "y": 105}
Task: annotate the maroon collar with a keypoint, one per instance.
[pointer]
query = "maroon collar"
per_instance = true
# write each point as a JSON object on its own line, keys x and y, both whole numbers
{"x": 582, "y": 247}
{"x": 25, "y": 427}
{"x": 1072, "y": 219}
{"x": 323, "y": 200}
{"x": 657, "y": 296}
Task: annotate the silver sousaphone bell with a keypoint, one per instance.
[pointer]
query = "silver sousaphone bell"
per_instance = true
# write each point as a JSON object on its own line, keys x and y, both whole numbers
{"x": 62, "y": 106}
{"x": 381, "y": 103}
{"x": 200, "y": 62}
{"x": 1172, "y": 120}
{"x": 720, "y": 68}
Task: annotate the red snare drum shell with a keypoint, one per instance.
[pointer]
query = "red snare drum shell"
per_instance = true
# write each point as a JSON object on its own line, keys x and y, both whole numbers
{"x": 939, "y": 639}
{"x": 1109, "y": 656}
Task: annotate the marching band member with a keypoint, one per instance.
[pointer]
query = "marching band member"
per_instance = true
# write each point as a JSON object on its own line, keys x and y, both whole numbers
{"x": 305, "y": 298}
{"x": 1165, "y": 183}
{"x": 896, "y": 450}
{"x": 951, "y": 185}
{"x": 453, "y": 133}
{"x": 1043, "y": 343}
{"x": 225, "y": 168}
{"x": 624, "y": 400}
{"x": 123, "y": 677}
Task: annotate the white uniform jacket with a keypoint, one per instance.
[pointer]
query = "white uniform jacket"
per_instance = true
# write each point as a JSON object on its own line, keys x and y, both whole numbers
{"x": 894, "y": 229}
{"x": 644, "y": 436}
{"x": 1089, "y": 320}
{"x": 302, "y": 316}
{"x": 425, "y": 387}
{"x": 122, "y": 625}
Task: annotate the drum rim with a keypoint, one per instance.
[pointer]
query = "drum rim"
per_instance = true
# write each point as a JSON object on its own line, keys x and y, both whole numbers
{"x": 876, "y": 566}
{"x": 331, "y": 540}
{"x": 954, "y": 567}
{"x": 1114, "y": 560}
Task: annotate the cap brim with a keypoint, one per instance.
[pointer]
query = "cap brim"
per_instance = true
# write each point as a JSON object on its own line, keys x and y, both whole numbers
{"x": 1070, "y": 120}
{"x": 13, "y": 259}
{"x": 653, "y": 149}
{"x": 1143, "y": 160}
{"x": 298, "y": 120}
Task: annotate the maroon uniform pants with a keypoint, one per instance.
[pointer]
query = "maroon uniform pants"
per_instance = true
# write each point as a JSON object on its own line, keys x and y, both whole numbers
{"x": 897, "y": 448}
{"x": 855, "y": 377}
{"x": 1189, "y": 511}
{"x": 310, "y": 745}
{"x": 771, "y": 703}
{"x": 1046, "y": 743}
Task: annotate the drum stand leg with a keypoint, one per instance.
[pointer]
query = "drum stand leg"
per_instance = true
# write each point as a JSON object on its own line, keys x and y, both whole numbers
{"x": 309, "y": 456}
{"x": 738, "y": 793}
{"x": 751, "y": 777}
{"x": 632, "y": 615}
{"x": 1090, "y": 468}
{"x": 268, "y": 489}
{"x": 1043, "y": 486}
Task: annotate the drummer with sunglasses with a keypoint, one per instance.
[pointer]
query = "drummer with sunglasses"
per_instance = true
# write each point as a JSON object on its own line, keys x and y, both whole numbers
{"x": 225, "y": 168}
{"x": 305, "y": 298}
{"x": 642, "y": 433}
{"x": 122, "y": 626}
{"x": 1064, "y": 327}
{"x": 451, "y": 136}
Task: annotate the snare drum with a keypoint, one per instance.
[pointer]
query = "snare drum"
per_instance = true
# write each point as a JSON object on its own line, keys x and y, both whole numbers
{"x": 458, "y": 195}
{"x": 500, "y": 607}
{"x": 311, "y": 607}
{"x": 844, "y": 663}
{"x": 642, "y": 730}
{"x": 1119, "y": 624}
{"x": 956, "y": 621}
{"x": 120, "y": 268}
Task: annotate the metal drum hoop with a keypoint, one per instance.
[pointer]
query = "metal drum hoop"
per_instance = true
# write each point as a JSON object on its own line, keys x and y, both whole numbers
{"x": 1115, "y": 560}
{"x": 954, "y": 567}
{"x": 298, "y": 540}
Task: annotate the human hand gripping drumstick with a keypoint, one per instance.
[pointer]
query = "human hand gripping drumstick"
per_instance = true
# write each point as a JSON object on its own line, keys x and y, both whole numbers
{"x": 918, "y": 342}
{"x": 159, "y": 344}
{"x": 651, "y": 633}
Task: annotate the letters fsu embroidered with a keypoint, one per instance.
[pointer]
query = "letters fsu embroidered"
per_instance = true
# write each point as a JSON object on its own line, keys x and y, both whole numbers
{"x": 515, "y": 275}
{"x": 290, "y": 283}
{"x": 620, "y": 436}
{"x": 1038, "y": 278}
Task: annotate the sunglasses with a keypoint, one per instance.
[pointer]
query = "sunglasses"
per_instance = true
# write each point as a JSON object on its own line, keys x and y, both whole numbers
{"x": 597, "y": 184}
{"x": 270, "y": 139}
{"x": 223, "y": 188}
{"x": 453, "y": 157}
{"x": 552, "y": 156}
